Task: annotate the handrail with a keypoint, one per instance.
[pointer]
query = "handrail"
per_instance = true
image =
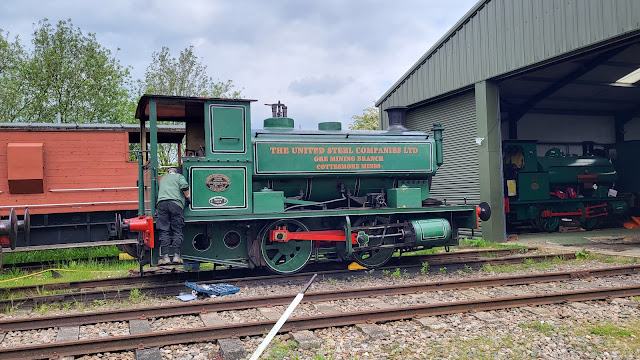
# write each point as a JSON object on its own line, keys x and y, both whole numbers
{"x": 70, "y": 204}
{"x": 96, "y": 189}
{"x": 345, "y": 135}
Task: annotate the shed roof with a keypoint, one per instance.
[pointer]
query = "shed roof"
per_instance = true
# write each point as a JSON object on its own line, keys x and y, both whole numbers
{"x": 498, "y": 37}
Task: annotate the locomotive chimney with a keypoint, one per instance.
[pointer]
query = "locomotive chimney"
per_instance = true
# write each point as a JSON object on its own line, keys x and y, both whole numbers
{"x": 396, "y": 118}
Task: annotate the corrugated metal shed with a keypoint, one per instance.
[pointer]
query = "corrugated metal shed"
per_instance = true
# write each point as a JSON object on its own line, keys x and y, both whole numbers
{"x": 459, "y": 173}
{"x": 497, "y": 37}
{"x": 459, "y": 177}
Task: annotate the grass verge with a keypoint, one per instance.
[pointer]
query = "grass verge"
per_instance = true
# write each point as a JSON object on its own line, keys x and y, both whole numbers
{"x": 57, "y": 255}
{"x": 528, "y": 264}
{"x": 595, "y": 340}
{"x": 72, "y": 271}
{"x": 487, "y": 244}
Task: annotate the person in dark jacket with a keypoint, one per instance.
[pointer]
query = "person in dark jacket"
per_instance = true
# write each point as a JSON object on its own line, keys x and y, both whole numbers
{"x": 171, "y": 201}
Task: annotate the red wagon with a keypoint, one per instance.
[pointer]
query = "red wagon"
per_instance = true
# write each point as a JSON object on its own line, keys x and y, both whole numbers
{"x": 72, "y": 178}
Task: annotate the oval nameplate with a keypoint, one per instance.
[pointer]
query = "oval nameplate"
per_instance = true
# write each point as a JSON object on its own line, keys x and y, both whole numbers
{"x": 218, "y": 201}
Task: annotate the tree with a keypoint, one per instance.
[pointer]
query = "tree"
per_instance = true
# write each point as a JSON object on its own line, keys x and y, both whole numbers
{"x": 369, "y": 120}
{"x": 182, "y": 76}
{"x": 72, "y": 75}
{"x": 12, "y": 84}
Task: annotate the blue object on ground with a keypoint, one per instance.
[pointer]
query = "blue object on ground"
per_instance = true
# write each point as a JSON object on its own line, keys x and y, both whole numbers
{"x": 213, "y": 289}
{"x": 186, "y": 297}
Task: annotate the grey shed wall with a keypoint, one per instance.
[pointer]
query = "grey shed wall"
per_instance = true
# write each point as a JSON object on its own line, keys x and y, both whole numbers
{"x": 499, "y": 36}
{"x": 458, "y": 176}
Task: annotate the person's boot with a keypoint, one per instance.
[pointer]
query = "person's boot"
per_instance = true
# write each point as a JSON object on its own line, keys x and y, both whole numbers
{"x": 164, "y": 260}
{"x": 177, "y": 259}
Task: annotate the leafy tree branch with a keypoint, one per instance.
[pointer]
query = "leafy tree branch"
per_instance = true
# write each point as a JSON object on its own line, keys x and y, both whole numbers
{"x": 369, "y": 120}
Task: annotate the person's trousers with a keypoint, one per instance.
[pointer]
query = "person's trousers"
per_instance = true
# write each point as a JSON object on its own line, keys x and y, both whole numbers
{"x": 170, "y": 220}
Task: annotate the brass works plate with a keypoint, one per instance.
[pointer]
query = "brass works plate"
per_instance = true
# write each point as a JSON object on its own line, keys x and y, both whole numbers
{"x": 217, "y": 182}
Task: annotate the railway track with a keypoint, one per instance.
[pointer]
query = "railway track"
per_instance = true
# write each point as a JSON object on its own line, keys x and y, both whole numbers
{"x": 175, "y": 274}
{"x": 199, "y": 307}
{"x": 172, "y": 284}
{"x": 257, "y": 328}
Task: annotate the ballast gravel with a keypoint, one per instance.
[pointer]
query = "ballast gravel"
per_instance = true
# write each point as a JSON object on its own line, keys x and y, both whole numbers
{"x": 201, "y": 351}
{"x": 174, "y": 323}
{"x": 564, "y": 331}
{"x": 21, "y": 338}
{"x": 102, "y": 330}
{"x": 125, "y": 355}
{"x": 504, "y": 334}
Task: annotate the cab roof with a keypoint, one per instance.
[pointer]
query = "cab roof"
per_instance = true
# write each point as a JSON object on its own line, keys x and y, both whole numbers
{"x": 177, "y": 108}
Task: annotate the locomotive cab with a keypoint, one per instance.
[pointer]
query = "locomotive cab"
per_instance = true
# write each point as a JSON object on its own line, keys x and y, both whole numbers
{"x": 215, "y": 160}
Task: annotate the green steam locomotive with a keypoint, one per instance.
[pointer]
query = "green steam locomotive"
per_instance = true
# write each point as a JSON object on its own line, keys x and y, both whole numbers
{"x": 280, "y": 198}
{"x": 543, "y": 190}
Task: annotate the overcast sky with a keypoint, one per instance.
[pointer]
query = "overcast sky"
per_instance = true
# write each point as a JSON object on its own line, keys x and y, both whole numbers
{"x": 326, "y": 60}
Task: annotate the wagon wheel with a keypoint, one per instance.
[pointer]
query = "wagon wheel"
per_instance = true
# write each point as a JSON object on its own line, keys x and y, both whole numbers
{"x": 285, "y": 257}
{"x": 130, "y": 249}
{"x": 13, "y": 229}
{"x": 375, "y": 257}
{"x": 25, "y": 226}
{"x": 548, "y": 224}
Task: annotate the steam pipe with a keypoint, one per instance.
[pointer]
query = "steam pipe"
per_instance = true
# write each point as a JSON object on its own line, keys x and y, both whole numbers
{"x": 437, "y": 135}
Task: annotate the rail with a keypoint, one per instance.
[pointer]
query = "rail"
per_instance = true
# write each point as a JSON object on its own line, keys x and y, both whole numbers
{"x": 236, "y": 304}
{"x": 82, "y": 295}
{"x": 161, "y": 286}
{"x": 55, "y": 350}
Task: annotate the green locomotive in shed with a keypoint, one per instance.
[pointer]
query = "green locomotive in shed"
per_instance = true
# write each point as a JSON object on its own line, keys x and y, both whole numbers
{"x": 543, "y": 190}
{"x": 279, "y": 198}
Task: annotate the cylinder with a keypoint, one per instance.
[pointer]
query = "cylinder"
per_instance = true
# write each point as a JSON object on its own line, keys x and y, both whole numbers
{"x": 618, "y": 207}
{"x": 430, "y": 232}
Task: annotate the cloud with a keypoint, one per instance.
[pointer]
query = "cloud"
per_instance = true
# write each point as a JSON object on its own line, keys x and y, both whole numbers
{"x": 318, "y": 85}
{"x": 326, "y": 59}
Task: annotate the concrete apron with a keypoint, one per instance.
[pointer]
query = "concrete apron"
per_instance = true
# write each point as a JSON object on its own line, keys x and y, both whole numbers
{"x": 611, "y": 242}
